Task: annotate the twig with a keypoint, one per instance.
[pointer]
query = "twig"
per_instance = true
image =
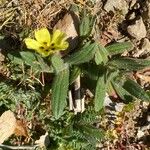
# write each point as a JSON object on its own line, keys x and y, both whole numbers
{"x": 18, "y": 147}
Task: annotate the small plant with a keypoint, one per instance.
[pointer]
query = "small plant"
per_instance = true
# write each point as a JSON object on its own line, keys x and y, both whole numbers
{"x": 45, "y": 71}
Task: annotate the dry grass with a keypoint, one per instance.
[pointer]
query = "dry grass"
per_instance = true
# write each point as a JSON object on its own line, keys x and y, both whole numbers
{"x": 17, "y": 14}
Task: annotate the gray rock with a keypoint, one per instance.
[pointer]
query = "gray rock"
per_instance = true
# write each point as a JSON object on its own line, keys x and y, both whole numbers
{"x": 140, "y": 134}
{"x": 112, "y": 5}
{"x": 146, "y": 45}
{"x": 132, "y": 3}
{"x": 137, "y": 30}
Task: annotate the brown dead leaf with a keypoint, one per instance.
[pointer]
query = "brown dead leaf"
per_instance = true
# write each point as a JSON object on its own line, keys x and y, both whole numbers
{"x": 7, "y": 125}
{"x": 108, "y": 36}
{"x": 69, "y": 25}
{"x": 21, "y": 129}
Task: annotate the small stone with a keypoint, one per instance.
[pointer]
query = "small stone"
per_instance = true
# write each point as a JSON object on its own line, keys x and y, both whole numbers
{"x": 44, "y": 141}
{"x": 132, "y": 16}
{"x": 140, "y": 134}
{"x": 137, "y": 30}
{"x": 146, "y": 45}
{"x": 132, "y": 3}
{"x": 112, "y": 5}
{"x": 119, "y": 107}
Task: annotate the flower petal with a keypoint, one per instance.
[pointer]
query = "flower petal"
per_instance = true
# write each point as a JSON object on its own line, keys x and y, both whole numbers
{"x": 57, "y": 37}
{"x": 32, "y": 44}
{"x": 62, "y": 46}
{"x": 58, "y": 40}
{"x": 43, "y": 36}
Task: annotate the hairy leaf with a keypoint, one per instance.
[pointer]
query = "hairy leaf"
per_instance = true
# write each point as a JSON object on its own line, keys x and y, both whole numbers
{"x": 119, "y": 48}
{"x": 100, "y": 93}
{"x": 129, "y": 64}
{"x": 43, "y": 65}
{"x": 135, "y": 89}
{"x": 91, "y": 70}
{"x": 58, "y": 63}
{"x": 101, "y": 55}
{"x": 124, "y": 95}
{"x": 86, "y": 25}
{"x": 85, "y": 54}
{"x": 59, "y": 93}
{"x": 75, "y": 71}
{"x": 28, "y": 57}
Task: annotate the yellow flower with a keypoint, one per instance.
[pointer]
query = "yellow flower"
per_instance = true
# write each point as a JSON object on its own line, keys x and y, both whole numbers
{"x": 47, "y": 44}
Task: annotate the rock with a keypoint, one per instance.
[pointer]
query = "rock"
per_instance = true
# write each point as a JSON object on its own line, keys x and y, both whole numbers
{"x": 132, "y": 16}
{"x": 132, "y": 3}
{"x": 140, "y": 134}
{"x": 119, "y": 107}
{"x": 137, "y": 30}
{"x": 112, "y": 5}
{"x": 69, "y": 25}
{"x": 44, "y": 141}
{"x": 146, "y": 45}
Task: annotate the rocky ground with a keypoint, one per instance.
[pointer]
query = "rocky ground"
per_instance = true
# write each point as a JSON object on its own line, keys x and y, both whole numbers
{"x": 116, "y": 21}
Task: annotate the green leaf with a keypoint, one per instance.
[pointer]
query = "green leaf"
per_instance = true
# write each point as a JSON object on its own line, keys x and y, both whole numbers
{"x": 119, "y": 48}
{"x": 90, "y": 70}
{"x": 91, "y": 133}
{"x": 135, "y": 89}
{"x": 28, "y": 57}
{"x": 43, "y": 65}
{"x": 129, "y": 64}
{"x": 15, "y": 58}
{"x": 59, "y": 93}
{"x": 75, "y": 71}
{"x": 101, "y": 55}
{"x": 85, "y": 54}
{"x": 86, "y": 25}
{"x": 111, "y": 74}
{"x": 98, "y": 58}
{"x": 57, "y": 63}
{"x": 124, "y": 95}
{"x": 100, "y": 93}
{"x": 35, "y": 61}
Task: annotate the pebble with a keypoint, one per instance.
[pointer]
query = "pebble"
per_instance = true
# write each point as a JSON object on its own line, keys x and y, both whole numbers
{"x": 146, "y": 45}
{"x": 112, "y": 5}
{"x": 132, "y": 3}
{"x": 137, "y": 30}
{"x": 140, "y": 134}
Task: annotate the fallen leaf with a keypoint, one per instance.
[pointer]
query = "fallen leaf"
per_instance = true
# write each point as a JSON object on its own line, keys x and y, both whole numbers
{"x": 7, "y": 125}
{"x": 21, "y": 129}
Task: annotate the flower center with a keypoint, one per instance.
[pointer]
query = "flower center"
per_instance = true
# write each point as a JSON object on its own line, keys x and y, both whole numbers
{"x": 45, "y": 43}
{"x": 41, "y": 47}
{"x": 52, "y": 44}
{"x": 46, "y": 50}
